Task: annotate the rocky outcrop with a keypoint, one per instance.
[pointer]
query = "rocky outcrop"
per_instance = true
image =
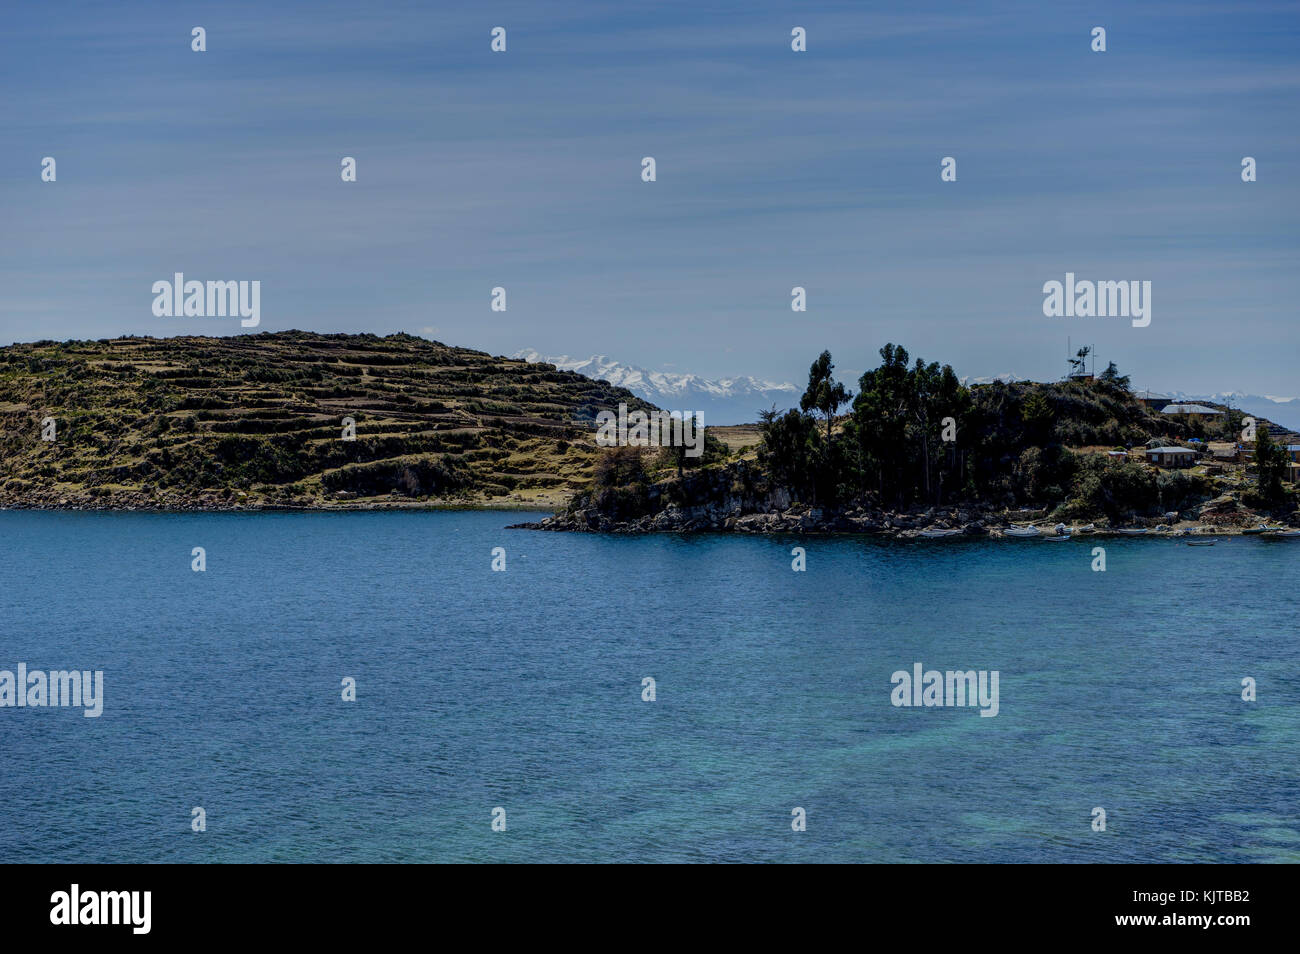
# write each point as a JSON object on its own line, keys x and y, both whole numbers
{"x": 736, "y": 498}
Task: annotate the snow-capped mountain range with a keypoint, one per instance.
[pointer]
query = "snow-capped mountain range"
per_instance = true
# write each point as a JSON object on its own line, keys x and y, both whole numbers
{"x": 1279, "y": 410}
{"x": 738, "y": 400}
{"x": 724, "y": 401}
{"x": 1007, "y": 378}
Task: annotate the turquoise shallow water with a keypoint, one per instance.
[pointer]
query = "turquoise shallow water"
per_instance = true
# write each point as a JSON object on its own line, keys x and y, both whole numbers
{"x": 522, "y": 690}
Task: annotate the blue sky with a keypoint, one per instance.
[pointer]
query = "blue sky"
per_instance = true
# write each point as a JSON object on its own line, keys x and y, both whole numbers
{"x": 775, "y": 169}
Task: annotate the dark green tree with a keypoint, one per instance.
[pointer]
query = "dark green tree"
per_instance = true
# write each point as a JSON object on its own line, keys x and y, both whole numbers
{"x": 712, "y": 451}
{"x": 824, "y": 393}
{"x": 879, "y": 423}
{"x": 789, "y": 450}
{"x": 1270, "y": 462}
{"x": 1038, "y": 416}
{"x": 1112, "y": 377}
{"x": 898, "y": 427}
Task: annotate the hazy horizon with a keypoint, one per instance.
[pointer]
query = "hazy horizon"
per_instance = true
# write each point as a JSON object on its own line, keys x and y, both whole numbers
{"x": 774, "y": 169}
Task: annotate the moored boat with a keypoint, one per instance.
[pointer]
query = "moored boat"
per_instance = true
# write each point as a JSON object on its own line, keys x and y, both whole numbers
{"x": 1022, "y": 532}
{"x": 934, "y": 533}
{"x": 1132, "y": 531}
{"x": 1281, "y": 535}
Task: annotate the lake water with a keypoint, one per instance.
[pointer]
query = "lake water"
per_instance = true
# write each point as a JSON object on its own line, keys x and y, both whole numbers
{"x": 522, "y": 689}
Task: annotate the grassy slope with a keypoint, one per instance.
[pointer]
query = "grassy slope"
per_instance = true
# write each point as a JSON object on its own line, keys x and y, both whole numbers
{"x": 257, "y": 419}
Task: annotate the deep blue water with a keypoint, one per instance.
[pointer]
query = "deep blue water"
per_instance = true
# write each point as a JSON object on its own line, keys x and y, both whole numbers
{"x": 522, "y": 689}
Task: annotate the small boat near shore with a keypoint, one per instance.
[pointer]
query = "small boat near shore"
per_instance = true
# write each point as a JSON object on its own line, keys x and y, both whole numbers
{"x": 1201, "y": 543}
{"x": 1022, "y": 532}
{"x": 1132, "y": 531}
{"x": 935, "y": 533}
{"x": 1055, "y": 537}
{"x": 1281, "y": 535}
{"x": 1262, "y": 528}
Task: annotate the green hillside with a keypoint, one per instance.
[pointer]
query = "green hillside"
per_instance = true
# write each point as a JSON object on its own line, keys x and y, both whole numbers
{"x": 257, "y": 420}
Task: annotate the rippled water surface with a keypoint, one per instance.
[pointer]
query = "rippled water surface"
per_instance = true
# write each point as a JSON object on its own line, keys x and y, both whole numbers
{"x": 522, "y": 689}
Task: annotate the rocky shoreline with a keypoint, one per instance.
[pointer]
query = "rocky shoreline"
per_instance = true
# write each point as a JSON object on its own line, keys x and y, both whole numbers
{"x": 888, "y": 524}
{"x": 735, "y": 500}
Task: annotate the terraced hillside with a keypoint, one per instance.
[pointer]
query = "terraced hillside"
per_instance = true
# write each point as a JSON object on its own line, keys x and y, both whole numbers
{"x": 258, "y": 420}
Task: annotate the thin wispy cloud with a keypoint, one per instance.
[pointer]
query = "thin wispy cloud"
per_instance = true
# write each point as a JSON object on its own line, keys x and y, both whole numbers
{"x": 775, "y": 169}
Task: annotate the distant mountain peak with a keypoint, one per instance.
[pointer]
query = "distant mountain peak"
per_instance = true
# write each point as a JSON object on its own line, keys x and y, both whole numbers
{"x": 737, "y": 400}
{"x": 731, "y": 400}
{"x": 1006, "y": 378}
{"x": 1284, "y": 411}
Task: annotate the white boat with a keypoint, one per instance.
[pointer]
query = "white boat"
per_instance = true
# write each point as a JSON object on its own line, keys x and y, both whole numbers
{"x": 1132, "y": 531}
{"x": 1022, "y": 532}
{"x": 1281, "y": 534}
{"x": 933, "y": 533}
{"x": 1088, "y": 529}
